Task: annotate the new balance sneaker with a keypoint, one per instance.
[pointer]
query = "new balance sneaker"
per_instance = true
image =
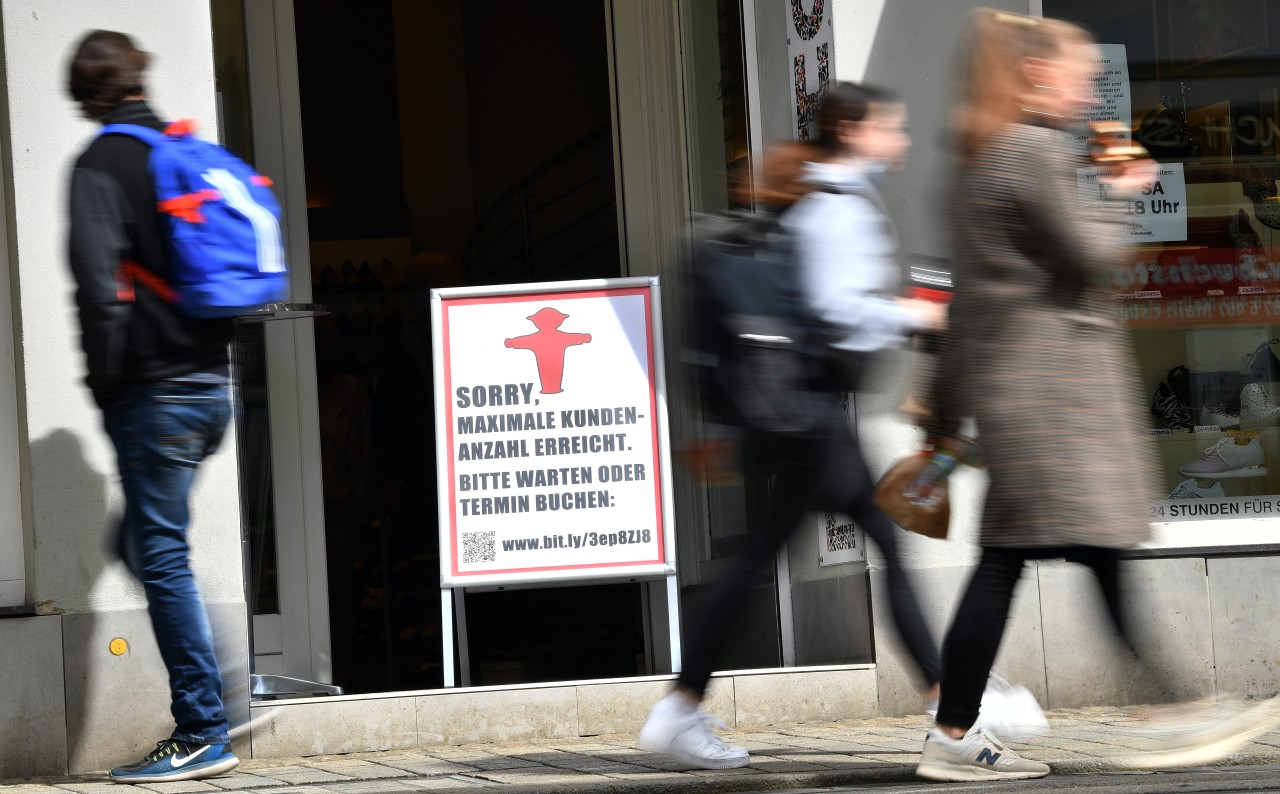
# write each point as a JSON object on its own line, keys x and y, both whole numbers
{"x": 174, "y": 759}
{"x": 976, "y": 756}
{"x": 1257, "y": 408}
{"x": 1195, "y": 739}
{"x": 1227, "y": 459}
{"x": 1171, "y": 410}
{"x": 688, "y": 737}
{"x": 1191, "y": 489}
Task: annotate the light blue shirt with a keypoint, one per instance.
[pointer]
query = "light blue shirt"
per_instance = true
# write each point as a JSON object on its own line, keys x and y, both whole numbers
{"x": 846, "y": 247}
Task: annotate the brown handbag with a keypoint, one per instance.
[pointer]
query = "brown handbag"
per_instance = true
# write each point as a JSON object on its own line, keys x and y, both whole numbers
{"x": 931, "y": 521}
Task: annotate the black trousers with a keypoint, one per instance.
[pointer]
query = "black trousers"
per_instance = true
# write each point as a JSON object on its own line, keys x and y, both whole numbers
{"x": 829, "y": 475}
{"x": 973, "y": 640}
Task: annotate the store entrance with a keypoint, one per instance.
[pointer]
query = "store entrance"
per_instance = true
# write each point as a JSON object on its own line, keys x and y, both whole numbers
{"x": 444, "y": 148}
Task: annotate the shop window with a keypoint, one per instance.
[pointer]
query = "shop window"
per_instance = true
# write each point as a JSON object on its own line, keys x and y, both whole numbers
{"x": 1200, "y": 289}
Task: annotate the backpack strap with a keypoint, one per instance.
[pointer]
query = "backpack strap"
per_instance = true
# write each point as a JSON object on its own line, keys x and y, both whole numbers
{"x": 145, "y": 134}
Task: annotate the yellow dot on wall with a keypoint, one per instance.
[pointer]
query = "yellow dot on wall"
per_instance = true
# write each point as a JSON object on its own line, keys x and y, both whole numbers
{"x": 119, "y": 647}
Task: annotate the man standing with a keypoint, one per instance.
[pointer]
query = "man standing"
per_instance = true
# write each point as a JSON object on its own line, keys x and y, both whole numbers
{"x": 161, "y": 380}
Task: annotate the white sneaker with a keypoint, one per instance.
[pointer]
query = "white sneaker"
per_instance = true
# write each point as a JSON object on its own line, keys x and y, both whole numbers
{"x": 1195, "y": 740}
{"x": 689, "y": 738}
{"x": 976, "y": 756}
{"x": 1011, "y": 711}
{"x": 1256, "y": 408}
{"x": 1217, "y": 415}
{"x": 1191, "y": 489}
{"x": 1228, "y": 459}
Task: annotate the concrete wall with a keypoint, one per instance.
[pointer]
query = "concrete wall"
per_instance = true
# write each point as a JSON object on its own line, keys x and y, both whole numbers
{"x": 70, "y": 491}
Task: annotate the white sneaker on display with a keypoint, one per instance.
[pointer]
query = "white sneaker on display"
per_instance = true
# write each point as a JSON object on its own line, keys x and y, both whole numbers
{"x": 1217, "y": 415}
{"x": 976, "y": 756}
{"x": 1191, "y": 489}
{"x": 1257, "y": 409}
{"x": 1227, "y": 459}
{"x": 689, "y": 737}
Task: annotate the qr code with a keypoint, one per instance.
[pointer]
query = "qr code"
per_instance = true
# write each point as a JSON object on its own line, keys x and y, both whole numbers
{"x": 479, "y": 547}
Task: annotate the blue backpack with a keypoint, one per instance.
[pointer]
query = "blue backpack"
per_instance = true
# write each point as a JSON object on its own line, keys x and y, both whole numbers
{"x": 226, "y": 252}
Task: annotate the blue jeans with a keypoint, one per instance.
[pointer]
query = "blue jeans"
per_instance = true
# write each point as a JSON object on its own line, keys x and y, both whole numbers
{"x": 161, "y": 434}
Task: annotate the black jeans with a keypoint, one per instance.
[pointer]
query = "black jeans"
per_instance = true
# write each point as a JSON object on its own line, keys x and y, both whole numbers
{"x": 829, "y": 474}
{"x": 974, "y": 637}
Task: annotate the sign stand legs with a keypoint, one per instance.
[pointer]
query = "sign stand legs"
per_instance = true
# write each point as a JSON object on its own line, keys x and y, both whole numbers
{"x": 673, "y": 621}
{"x": 464, "y": 653}
{"x": 446, "y": 636}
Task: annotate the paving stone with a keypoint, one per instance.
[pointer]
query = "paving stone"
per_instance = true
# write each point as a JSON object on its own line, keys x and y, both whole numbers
{"x": 240, "y": 781}
{"x": 781, "y": 766}
{"x": 360, "y": 769}
{"x": 387, "y": 786}
{"x": 833, "y": 746}
{"x": 90, "y": 785}
{"x": 297, "y": 774}
{"x": 178, "y": 787}
{"x": 29, "y": 788}
{"x": 742, "y": 770}
{"x": 545, "y": 776}
{"x": 449, "y": 783}
{"x": 427, "y": 766}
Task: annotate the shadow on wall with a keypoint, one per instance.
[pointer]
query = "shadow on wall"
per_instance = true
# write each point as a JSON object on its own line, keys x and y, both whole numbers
{"x": 107, "y": 684}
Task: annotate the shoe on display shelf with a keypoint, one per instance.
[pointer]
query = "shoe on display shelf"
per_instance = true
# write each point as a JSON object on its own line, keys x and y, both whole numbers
{"x": 1191, "y": 489}
{"x": 1257, "y": 409}
{"x": 174, "y": 759}
{"x": 1166, "y": 406}
{"x": 689, "y": 737}
{"x": 1227, "y": 459}
{"x": 1217, "y": 415}
{"x": 975, "y": 756}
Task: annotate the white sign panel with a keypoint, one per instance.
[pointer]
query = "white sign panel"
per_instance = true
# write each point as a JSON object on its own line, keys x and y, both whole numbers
{"x": 1109, "y": 88}
{"x": 1158, "y": 213}
{"x": 811, "y": 59}
{"x": 839, "y": 542}
{"x": 551, "y": 433}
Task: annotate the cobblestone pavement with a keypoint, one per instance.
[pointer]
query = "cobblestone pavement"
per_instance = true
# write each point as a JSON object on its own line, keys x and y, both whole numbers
{"x": 784, "y": 757}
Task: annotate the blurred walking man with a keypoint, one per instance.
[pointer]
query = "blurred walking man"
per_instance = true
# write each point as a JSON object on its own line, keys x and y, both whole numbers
{"x": 161, "y": 380}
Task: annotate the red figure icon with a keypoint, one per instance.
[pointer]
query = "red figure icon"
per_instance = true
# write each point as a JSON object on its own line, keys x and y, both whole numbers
{"x": 548, "y": 344}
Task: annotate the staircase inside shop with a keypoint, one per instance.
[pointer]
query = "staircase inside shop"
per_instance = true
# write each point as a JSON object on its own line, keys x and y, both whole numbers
{"x": 557, "y": 223}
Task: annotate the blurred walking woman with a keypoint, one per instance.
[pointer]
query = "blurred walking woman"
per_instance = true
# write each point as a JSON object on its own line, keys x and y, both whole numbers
{"x": 846, "y": 251}
{"x": 1036, "y": 355}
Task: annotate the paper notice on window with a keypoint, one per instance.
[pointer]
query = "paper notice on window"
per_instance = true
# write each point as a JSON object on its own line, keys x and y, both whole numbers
{"x": 1157, "y": 213}
{"x": 1109, "y": 88}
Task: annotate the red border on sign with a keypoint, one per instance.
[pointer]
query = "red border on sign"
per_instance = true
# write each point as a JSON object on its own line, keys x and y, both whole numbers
{"x": 446, "y": 305}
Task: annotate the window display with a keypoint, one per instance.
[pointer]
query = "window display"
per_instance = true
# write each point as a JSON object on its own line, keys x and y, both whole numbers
{"x": 1201, "y": 287}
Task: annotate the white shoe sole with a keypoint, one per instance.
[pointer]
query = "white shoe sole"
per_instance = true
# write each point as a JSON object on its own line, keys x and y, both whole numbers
{"x": 220, "y": 768}
{"x": 947, "y": 772}
{"x": 1230, "y": 474}
{"x": 651, "y": 745}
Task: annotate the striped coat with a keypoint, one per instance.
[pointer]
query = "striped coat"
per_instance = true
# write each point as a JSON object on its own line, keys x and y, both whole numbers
{"x": 1037, "y": 355}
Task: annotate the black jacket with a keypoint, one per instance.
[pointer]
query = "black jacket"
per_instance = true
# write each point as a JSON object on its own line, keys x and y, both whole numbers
{"x": 130, "y": 343}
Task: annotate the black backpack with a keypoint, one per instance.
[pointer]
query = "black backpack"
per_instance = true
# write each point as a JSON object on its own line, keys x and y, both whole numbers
{"x": 761, "y": 357}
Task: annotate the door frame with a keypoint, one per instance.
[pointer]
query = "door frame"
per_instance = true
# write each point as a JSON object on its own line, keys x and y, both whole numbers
{"x": 651, "y": 162}
{"x": 301, "y": 631}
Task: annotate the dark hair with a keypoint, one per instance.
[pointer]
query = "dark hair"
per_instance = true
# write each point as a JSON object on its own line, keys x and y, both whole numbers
{"x": 781, "y": 179}
{"x": 846, "y": 102}
{"x": 105, "y": 69}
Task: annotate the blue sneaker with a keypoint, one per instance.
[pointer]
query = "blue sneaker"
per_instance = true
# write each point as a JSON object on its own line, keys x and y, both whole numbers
{"x": 174, "y": 759}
